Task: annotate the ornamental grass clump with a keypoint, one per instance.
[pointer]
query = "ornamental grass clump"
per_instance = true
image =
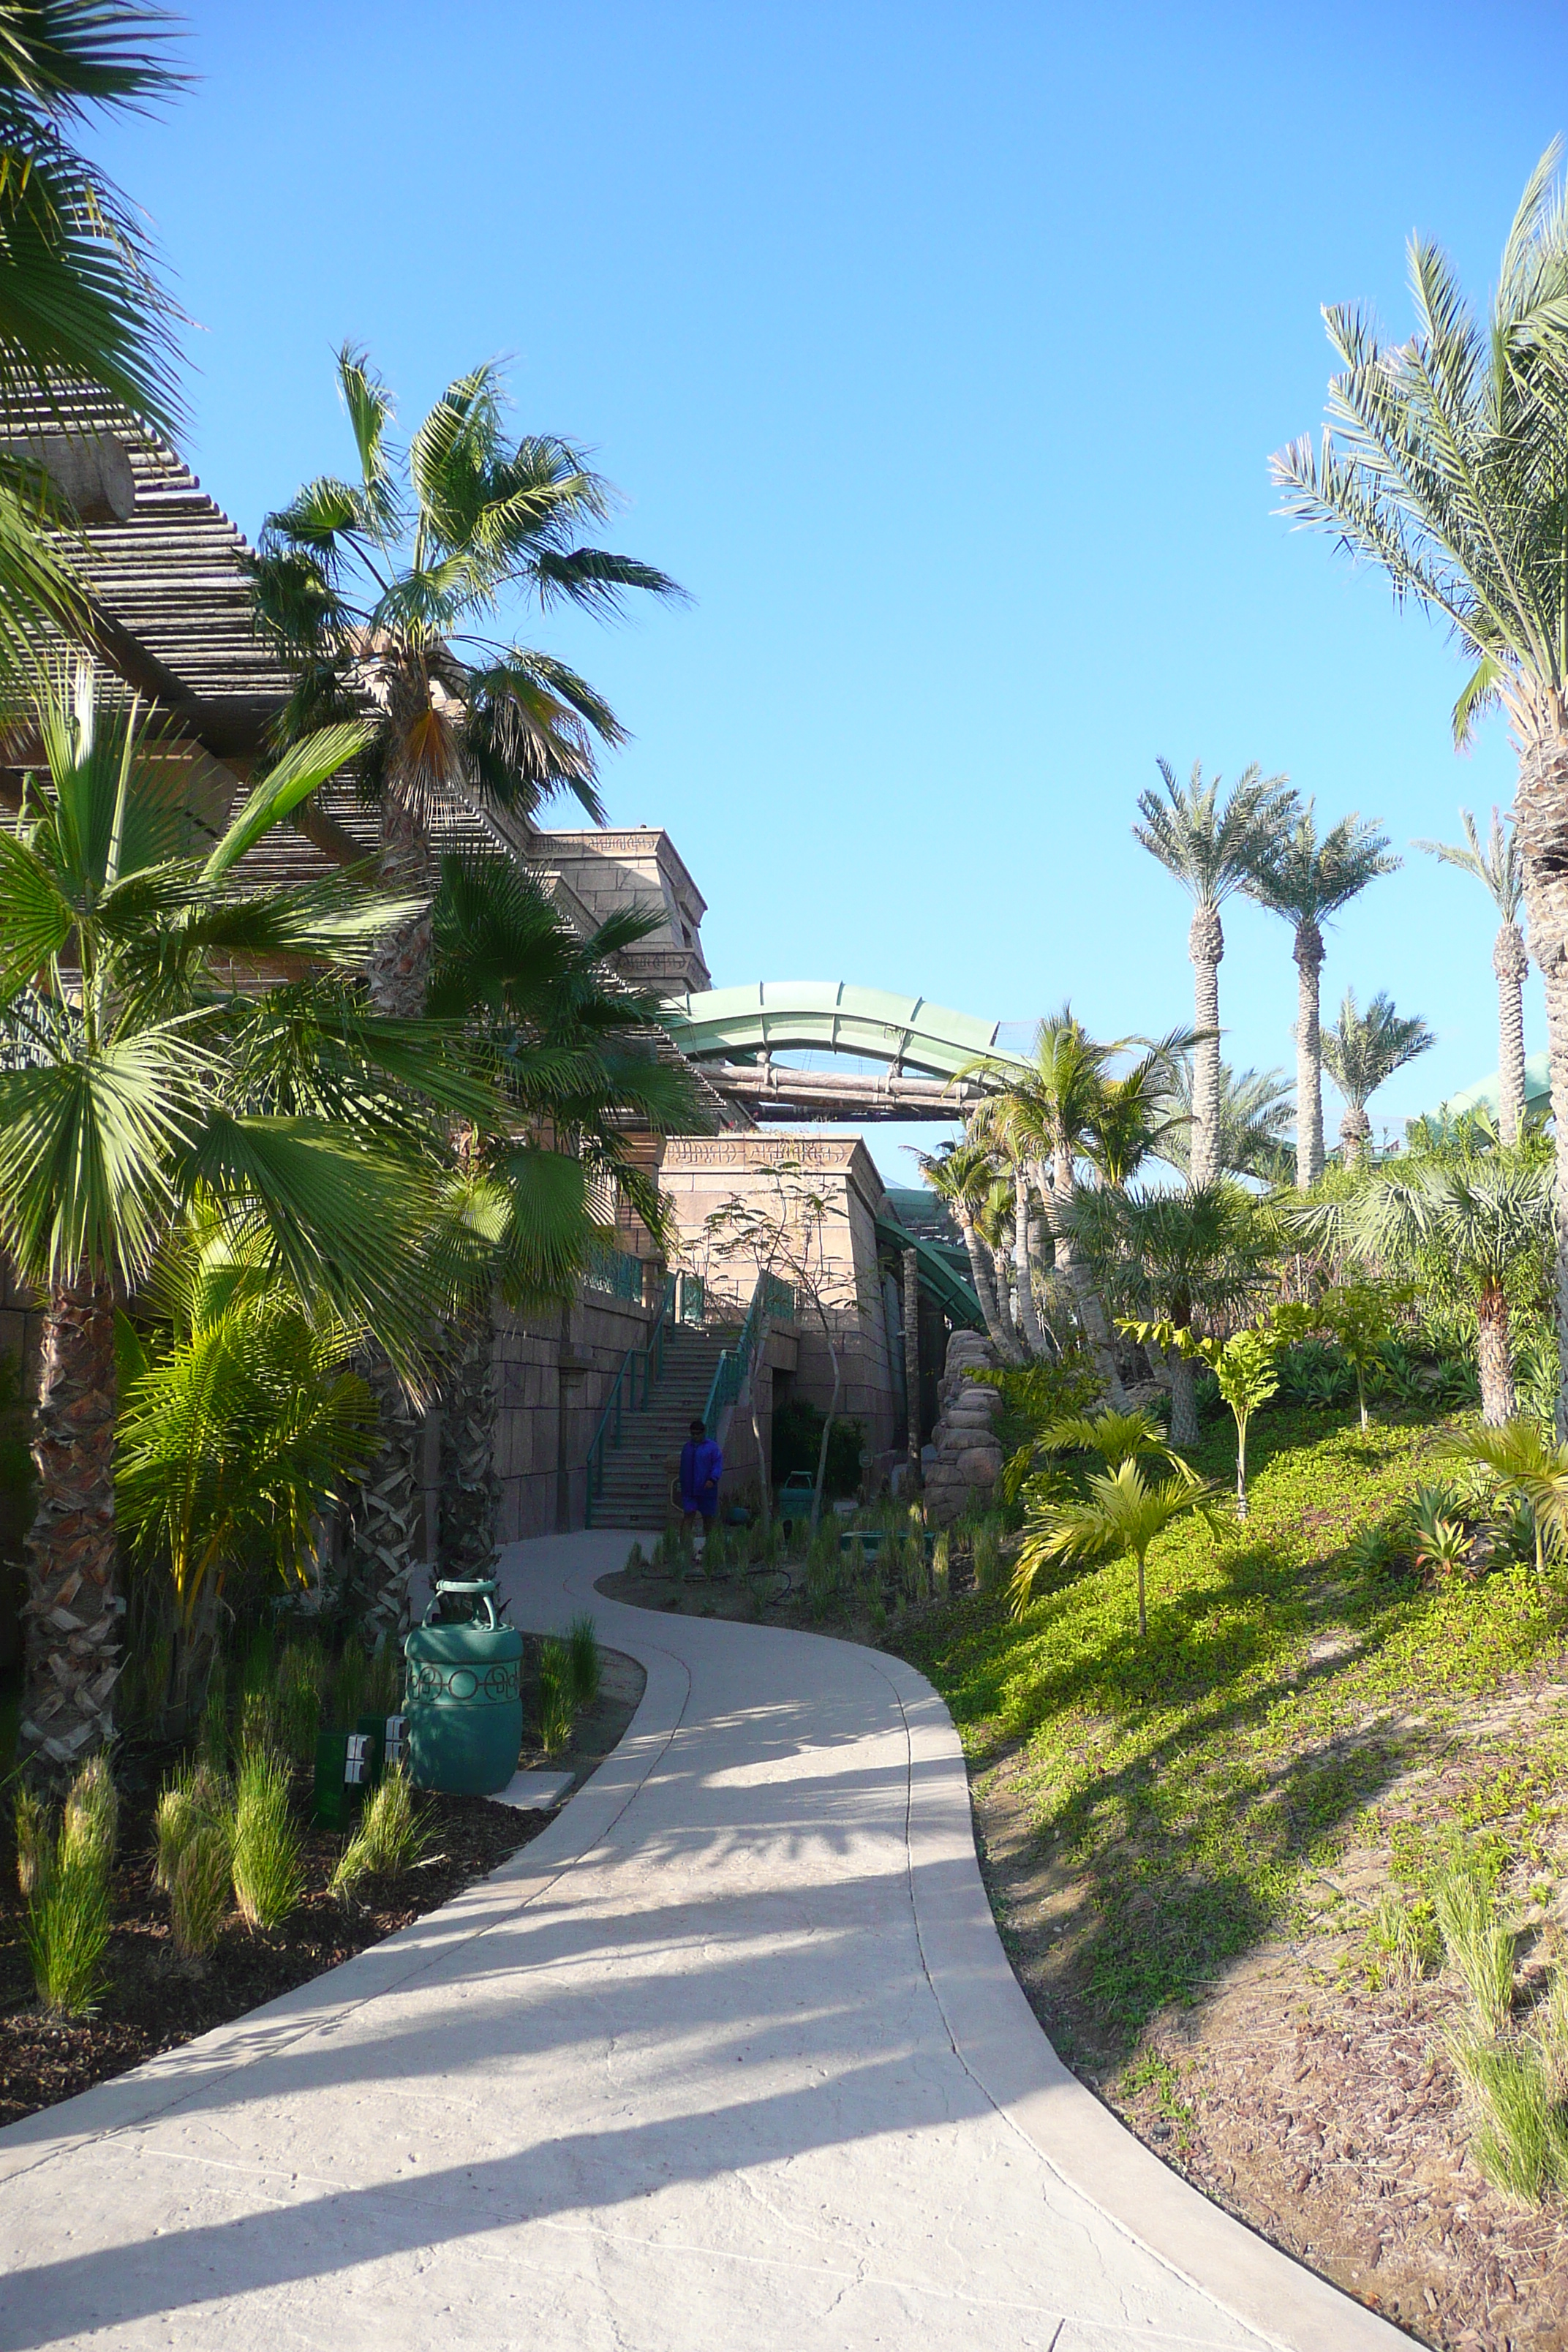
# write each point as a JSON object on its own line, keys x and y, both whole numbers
{"x": 65, "y": 1928}
{"x": 587, "y": 1661}
{"x": 268, "y": 1848}
{"x": 1519, "y": 2133}
{"x": 1479, "y": 1944}
{"x": 35, "y": 1842}
{"x": 90, "y": 1827}
{"x": 198, "y": 1895}
{"x": 301, "y": 1686}
{"x": 197, "y": 1799}
{"x": 391, "y": 1835}
{"x": 555, "y": 1685}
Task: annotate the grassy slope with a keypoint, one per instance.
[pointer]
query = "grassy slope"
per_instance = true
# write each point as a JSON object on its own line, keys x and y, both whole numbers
{"x": 1196, "y": 1785}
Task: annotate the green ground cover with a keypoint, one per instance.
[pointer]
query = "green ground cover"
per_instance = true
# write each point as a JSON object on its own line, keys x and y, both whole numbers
{"x": 1198, "y": 1785}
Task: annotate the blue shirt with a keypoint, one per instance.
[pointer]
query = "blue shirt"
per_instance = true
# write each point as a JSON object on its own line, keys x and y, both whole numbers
{"x": 701, "y": 1468}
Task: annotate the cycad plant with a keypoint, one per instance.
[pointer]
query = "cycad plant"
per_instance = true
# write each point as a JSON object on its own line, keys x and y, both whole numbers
{"x": 1362, "y": 1053}
{"x": 1445, "y": 460}
{"x": 1306, "y": 880}
{"x": 1213, "y": 849}
{"x": 381, "y": 591}
{"x": 136, "y": 1080}
{"x": 1498, "y": 867}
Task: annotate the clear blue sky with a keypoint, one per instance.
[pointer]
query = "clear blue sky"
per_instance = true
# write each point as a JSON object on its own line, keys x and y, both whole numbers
{"x": 939, "y": 351}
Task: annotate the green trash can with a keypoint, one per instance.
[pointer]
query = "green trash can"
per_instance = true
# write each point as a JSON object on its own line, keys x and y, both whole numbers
{"x": 463, "y": 1707}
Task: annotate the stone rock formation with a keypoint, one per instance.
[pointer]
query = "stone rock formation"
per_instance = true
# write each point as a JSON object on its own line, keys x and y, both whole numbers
{"x": 968, "y": 1451}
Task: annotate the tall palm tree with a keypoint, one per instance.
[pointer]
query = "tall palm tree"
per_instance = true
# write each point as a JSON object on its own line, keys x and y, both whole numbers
{"x": 1500, "y": 868}
{"x": 1445, "y": 460}
{"x": 1212, "y": 849}
{"x": 1307, "y": 880}
{"x": 382, "y": 594}
{"x": 1362, "y": 1052}
{"x": 962, "y": 1174}
{"x": 135, "y": 1080}
{"x": 1256, "y": 1108}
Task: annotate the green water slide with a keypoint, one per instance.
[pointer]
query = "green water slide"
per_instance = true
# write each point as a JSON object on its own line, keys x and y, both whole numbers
{"x": 832, "y": 1015}
{"x": 938, "y": 1277}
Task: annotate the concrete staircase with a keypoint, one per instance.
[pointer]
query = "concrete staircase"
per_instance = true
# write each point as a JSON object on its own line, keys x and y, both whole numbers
{"x": 636, "y": 1491}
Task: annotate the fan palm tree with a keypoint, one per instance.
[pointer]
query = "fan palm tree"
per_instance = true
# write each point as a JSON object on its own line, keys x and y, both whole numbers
{"x": 1445, "y": 460}
{"x": 134, "y": 1080}
{"x": 381, "y": 592}
{"x": 1212, "y": 849}
{"x": 1499, "y": 870}
{"x": 1120, "y": 1515}
{"x": 962, "y": 1174}
{"x": 1256, "y": 1108}
{"x": 1360, "y": 1053}
{"x": 1306, "y": 881}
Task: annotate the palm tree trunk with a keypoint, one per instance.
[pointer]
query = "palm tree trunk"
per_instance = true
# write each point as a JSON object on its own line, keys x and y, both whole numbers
{"x": 1206, "y": 946}
{"x": 398, "y": 970}
{"x": 1308, "y": 953}
{"x": 1005, "y": 1313}
{"x": 1494, "y": 1351}
{"x": 1354, "y": 1128}
{"x": 1034, "y": 1337}
{"x": 470, "y": 1491}
{"x": 1184, "y": 1430}
{"x": 1510, "y": 964}
{"x": 984, "y": 1290}
{"x": 73, "y": 1609}
{"x": 384, "y": 1518}
{"x": 1086, "y": 1297}
{"x": 1541, "y": 823}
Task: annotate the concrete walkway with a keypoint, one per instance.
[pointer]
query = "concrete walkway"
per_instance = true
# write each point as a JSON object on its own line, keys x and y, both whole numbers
{"x": 729, "y": 2057}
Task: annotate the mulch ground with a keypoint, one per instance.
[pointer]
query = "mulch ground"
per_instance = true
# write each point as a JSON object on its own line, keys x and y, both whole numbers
{"x": 152, "y": 2003}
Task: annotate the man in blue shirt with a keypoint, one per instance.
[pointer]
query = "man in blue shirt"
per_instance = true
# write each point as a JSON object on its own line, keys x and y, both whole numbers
{"x": 701, "y": 1468}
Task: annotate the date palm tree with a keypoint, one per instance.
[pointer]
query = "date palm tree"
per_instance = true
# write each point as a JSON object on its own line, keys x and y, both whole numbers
{"x": 1360, "y": 1053}
{"x": 1212, "y": 849}
{"x": 382, "y": 592}
{"x": 1499, "y": 870}
{"x": 962, "y": 1174}
{"x": 1443, "y": 459}
{"x": 1256, "y": 1108}
{"x": 135, "y": 1081}
{"x": 1307, "y": 880}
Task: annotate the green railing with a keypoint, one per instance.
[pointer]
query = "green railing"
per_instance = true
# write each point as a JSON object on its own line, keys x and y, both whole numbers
{"x": 771, "y": 1298}
{"x": 616, "y": 1272}
{"x": 646, "y": 1362}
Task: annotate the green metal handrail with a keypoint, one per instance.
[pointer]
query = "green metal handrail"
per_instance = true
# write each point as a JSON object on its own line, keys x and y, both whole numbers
{"x": 615, "y": 1272}
{"x": 771, "y": 1297}
{"x": 622, "y": 1397}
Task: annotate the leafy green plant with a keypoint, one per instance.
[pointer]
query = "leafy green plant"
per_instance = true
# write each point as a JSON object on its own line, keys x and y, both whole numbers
{"x": 1440, "y": 1539}
{"x": 65, "y": 1933}
{"x": 1528, "y": 1463}
{"x": 268, "y": 1847}
{"x": 1355, "y": 1316}
{"x": 199, "y": 1891}
{"x": 1120, "y": 1517}
{"x": 587, "y": 1661}
{"x": 1478, "y": 1945}
{"x": 391, "y": 1835}
{"x": 555, "y": 1688}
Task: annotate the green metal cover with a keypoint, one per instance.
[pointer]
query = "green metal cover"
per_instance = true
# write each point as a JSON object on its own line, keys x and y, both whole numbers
{"x": 937, "y": 1277}
{"x": 1484, "y": 1095}
{"x": 805, "y": 1015}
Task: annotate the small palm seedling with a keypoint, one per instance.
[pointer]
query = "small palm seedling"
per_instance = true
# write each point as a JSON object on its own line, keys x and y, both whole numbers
{"x": 1479, "y": 1944}
{"x": 199, "y": 1891}
{"x": 556, "y": 1709}
{"x": 269, "y": 1863}
{"x": 391, "y": 1835}
{"x": 587, "y": 1662}
{"x": 35, "y": 1842}
{"x": 1119, "y": 1518}
{"x": 1525, "y": 1462}
{"x": 91, "y": 1825}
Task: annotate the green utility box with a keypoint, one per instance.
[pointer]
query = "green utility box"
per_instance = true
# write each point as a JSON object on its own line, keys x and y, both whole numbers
{"x": 463, "y": 1707}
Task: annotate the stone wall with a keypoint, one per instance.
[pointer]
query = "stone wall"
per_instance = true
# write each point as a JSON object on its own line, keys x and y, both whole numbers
{"x": 555, "y": 1371}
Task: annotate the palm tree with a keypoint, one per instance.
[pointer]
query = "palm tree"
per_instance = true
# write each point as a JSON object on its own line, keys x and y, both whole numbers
{"x": 1307, "y": 880}
{"x": 1482, "y": 1227}
{"x": 1524, "y": 1460}
{"x": 1445, "y": 460}
{"x": 1121, "y": 1514}
{"x": 1256, "y": 1108}
{"x": 1360, "y": 1053}
{"x": 1138, "y": 1114}
{"x": 1500, "y": 868}
{"x": 379, "y": 592}
{"x": 134, "y": 1080}
{"x": 1213, "y": 850}
{"x": 962, "y": 1174}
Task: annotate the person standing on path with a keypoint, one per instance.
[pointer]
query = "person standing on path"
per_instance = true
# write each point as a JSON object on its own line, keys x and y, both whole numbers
{"x": 701, "y": 1468}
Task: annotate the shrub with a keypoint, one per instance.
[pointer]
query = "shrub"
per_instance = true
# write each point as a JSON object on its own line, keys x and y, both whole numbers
{"x": 1440, "y": 1536}
{"x": 556, "y": 1709}
{"x": 391, "y": 1835}
{"x": 587, "y": 1664}
{"x": 91, "y": 1821}
{"x": 1478, "y": 1945}
{"x": 66, "y": 1934}
{"x": 35, "y": 1843}
{"x": 269, "y": 1868}
{"x": 198, "y": 1893}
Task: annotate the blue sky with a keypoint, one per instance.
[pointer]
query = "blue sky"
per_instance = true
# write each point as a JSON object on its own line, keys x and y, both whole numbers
{"x": 939, "y": 351}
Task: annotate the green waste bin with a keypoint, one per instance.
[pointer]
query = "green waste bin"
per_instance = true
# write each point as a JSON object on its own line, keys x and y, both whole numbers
{"x": 463, "y": 1707}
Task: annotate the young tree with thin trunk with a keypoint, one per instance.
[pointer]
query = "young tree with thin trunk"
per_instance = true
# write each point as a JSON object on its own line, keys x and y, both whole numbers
{"x": 1306, "y": 881}
{"x": 1360, "y": 1053}
{"x": 1445, "y": 460}
{"x": 1499, "y": 870}
{"x": 962, "y": 1174}
{"x": 1212, "y": 849}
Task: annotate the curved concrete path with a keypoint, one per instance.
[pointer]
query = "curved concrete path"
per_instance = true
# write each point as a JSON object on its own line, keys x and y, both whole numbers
{"x": 729, "y": 2056}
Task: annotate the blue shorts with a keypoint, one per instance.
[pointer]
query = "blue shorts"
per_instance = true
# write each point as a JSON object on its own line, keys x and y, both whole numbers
{"x": 707, "y": 1504}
